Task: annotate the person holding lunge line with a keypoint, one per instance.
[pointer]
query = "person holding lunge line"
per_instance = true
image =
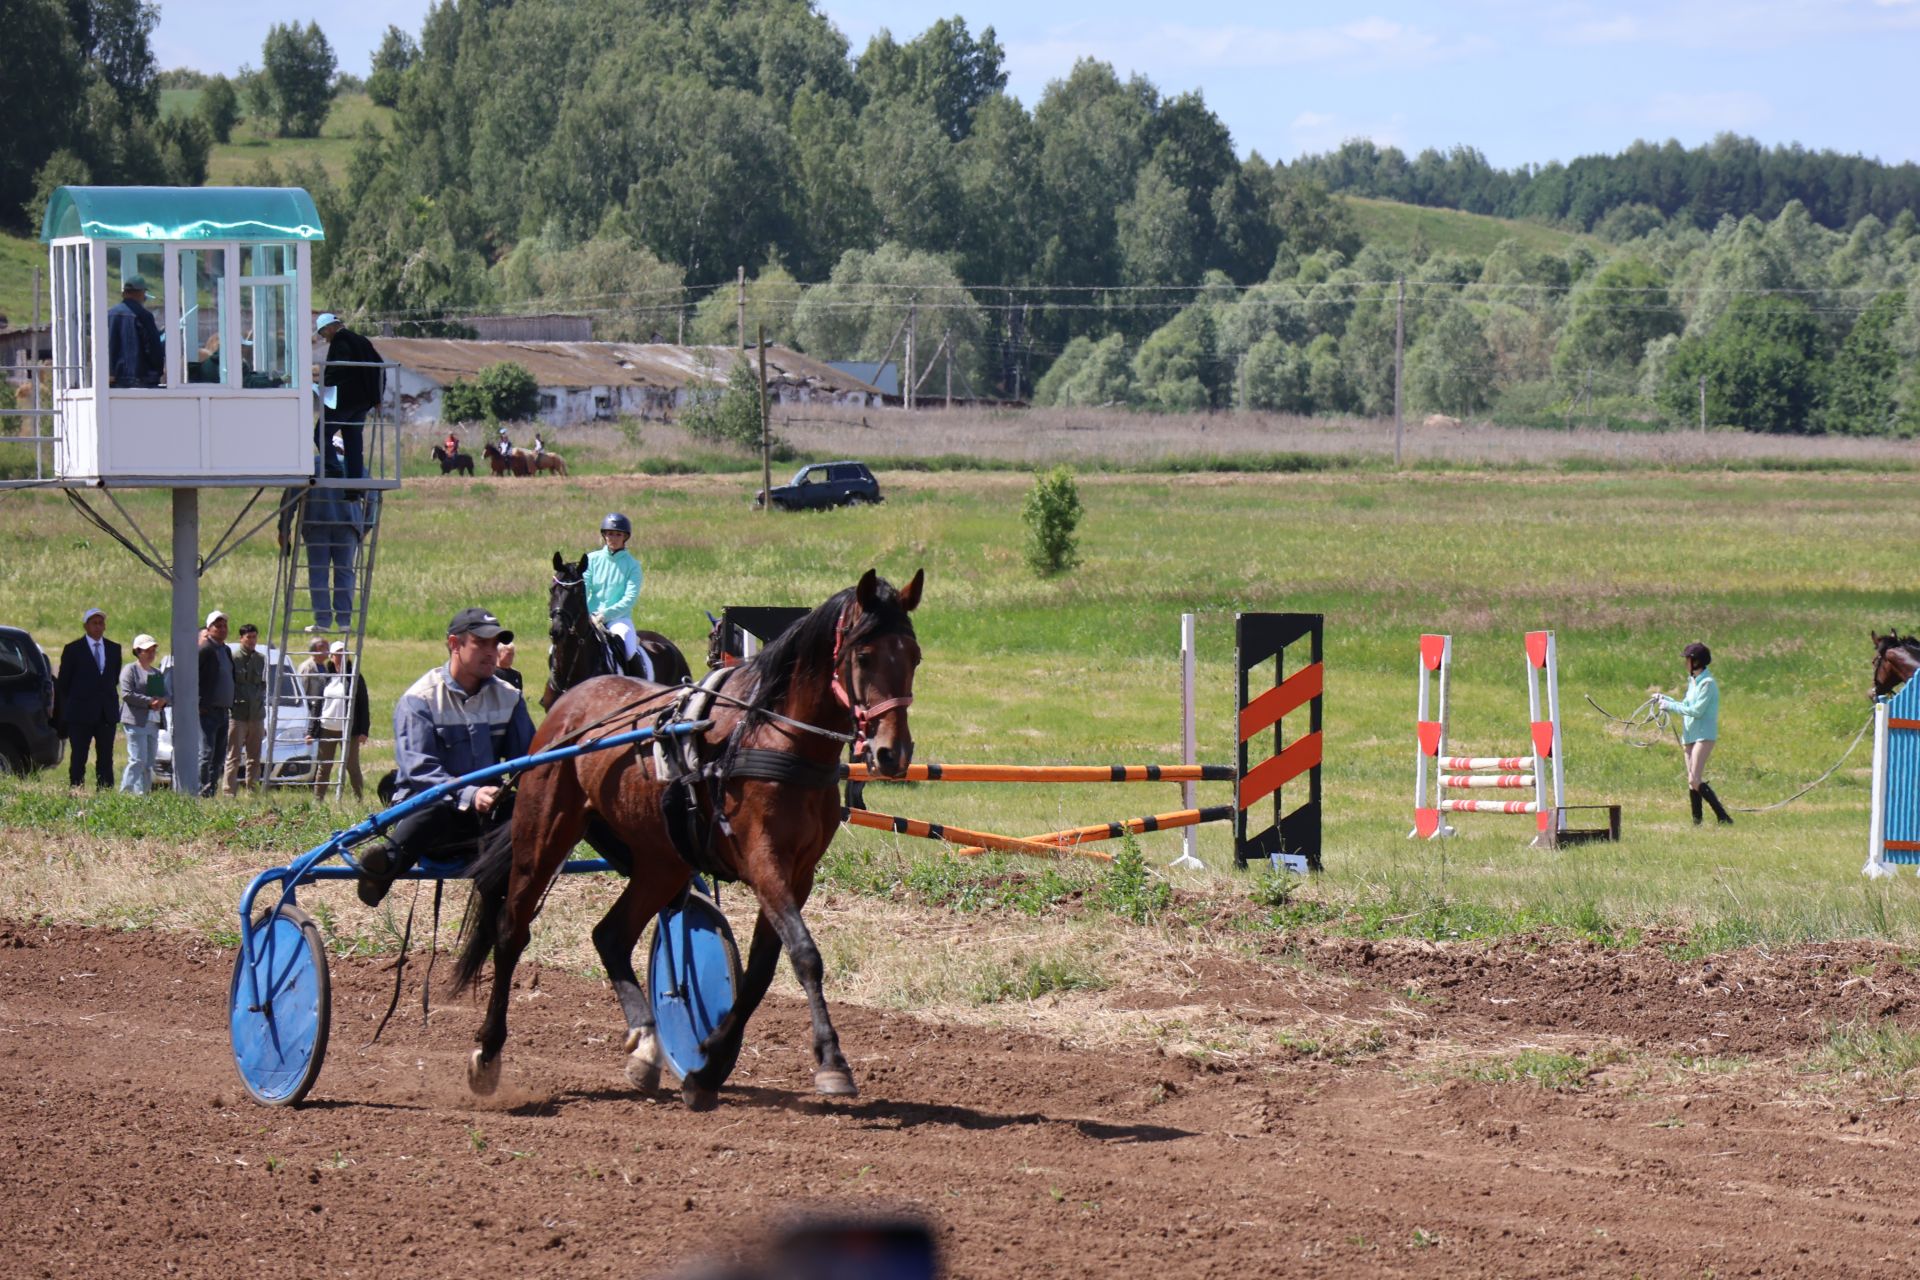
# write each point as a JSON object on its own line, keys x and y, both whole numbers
{"x": 1700, "y": 726}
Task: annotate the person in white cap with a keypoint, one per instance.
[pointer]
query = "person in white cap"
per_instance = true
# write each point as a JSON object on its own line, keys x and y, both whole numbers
{"x": 216, "y": 701}
{"x": 352, "y": 368}
{"x": 86, "y": 700}
{"x": 143, "y": 695}
{"x": 336, "y": 703}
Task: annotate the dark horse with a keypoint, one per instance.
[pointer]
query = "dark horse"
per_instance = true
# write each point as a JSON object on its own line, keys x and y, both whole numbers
{"x": 847, "y": 668}
{"x": 1895, "y": 658}
{"x": 507, "y": 462}
{"x": 455, "y": 461}
{"x": 582, "y": 649}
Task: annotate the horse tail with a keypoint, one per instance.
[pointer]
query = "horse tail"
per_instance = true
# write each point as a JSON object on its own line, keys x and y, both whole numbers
{"x": 480, "y": 930}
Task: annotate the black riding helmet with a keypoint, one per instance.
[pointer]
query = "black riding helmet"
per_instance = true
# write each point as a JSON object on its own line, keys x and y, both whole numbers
{"x": 617, "y": 523}
{"x": 1698, "y": 653}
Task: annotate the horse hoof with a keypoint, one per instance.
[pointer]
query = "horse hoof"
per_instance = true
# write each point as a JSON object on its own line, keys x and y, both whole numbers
{"x": 835, "y": 1082}
{"x": 483, "y": 1077}
{"x": 643, "y": 1061}
{"x": 697, "y": 1097}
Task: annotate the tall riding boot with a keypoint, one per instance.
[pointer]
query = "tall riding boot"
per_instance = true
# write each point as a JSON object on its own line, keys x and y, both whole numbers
{"x": 1719, "y": 810}
{"x": 1693, "y": 798}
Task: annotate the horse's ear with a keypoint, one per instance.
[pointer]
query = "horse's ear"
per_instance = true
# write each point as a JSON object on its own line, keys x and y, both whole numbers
{"x": 559, "y": 565}
{"x": 868, "y": 592}
{"x": 910, "y": 598}
{"x": 581, "y": 571}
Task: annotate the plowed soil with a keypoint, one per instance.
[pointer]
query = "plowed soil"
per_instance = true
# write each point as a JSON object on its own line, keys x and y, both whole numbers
{"x": 1706, "y": 1134}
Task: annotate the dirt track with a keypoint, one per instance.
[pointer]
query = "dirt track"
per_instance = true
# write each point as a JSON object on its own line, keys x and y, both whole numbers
{"x": 129, "y": 1148}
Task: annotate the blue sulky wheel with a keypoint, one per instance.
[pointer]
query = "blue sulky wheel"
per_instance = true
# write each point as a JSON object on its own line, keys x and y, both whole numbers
{"x": 278, "y": 1044}
{"x": 693, "y": 975}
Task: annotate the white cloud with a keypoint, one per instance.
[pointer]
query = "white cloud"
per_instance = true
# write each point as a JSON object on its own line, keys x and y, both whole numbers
{"x": 1707, "y": 112}
{"x": 1323, "y": 131}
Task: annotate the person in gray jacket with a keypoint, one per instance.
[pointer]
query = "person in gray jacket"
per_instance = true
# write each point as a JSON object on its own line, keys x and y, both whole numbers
{"x": 249, "y": 727}
{"x": 452, "y": 721}
{"x": 143, "y": 695}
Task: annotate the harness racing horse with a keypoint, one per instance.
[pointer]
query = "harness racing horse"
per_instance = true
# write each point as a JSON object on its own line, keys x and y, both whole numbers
{"x": 581, "y": 648}
{"x": 455, "y": 461}
{"x": 1895, "y": 659}
{"x": 765, "y": 802}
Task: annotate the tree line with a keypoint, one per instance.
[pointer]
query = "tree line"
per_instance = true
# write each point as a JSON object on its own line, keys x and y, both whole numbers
{"x": 1625, "y": 194}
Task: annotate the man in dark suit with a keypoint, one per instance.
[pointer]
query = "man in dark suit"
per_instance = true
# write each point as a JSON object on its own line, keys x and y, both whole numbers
{"x": 86, "y": 700}
{"x": 358, "y": 385}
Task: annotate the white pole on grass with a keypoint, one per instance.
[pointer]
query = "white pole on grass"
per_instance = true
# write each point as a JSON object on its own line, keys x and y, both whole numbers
{"x": 1190, "y": 838}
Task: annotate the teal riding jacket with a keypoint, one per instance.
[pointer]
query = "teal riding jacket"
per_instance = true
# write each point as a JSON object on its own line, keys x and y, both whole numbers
{"x": 1699, "y": 710}
{"x": 613, "y": 583}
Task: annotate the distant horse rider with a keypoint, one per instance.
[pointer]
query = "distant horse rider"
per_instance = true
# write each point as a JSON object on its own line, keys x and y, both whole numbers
{"x": 613, "y": 588}
{"x": 454, "y": 720}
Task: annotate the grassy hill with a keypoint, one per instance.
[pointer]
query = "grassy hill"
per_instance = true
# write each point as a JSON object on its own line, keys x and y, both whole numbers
{"x": 254, "y": 141}
{"x": 1450, "y": 231}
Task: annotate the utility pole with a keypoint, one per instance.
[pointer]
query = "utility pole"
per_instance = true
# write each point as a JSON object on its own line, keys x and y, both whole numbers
{"x": 1399, "y": 343}
{"x": 766, "y": 428}
{"x": 740, "y": 299}
{"x": 906, "y": 384}
{"x": 1703, "y": 402}
{"x": 682, "y": 339}
{"x": 946, "y": 341}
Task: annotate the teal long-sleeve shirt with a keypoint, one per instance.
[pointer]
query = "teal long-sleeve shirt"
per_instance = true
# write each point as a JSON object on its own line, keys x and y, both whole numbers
{"x": 1699, "y": 710}
{"x": 613, "y": 583}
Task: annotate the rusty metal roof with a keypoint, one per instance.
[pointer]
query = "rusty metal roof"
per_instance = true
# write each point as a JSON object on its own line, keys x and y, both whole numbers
{"x": 667, "y": 366}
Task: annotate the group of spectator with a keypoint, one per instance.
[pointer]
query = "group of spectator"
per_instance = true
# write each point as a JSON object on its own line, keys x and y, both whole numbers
{"x": 95, "y": 694}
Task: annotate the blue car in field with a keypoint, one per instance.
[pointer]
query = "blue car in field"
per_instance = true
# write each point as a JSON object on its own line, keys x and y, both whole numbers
{"x": 28, "y": 739}
{"x": 824, "y": 484}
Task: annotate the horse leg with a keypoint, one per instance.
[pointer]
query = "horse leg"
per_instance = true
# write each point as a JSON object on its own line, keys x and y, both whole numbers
{"x": 780, "y": 904}
{"x": 723, "y": 1046}
{"x": 558, "y": 819}
{"x": 614, "y": 938}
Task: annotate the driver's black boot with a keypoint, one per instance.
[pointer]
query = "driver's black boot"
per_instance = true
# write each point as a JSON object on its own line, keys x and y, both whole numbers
{"x": 1693, "y": 798}
{"x": 1719, "y": 810}
{"x": 380, "y": 866}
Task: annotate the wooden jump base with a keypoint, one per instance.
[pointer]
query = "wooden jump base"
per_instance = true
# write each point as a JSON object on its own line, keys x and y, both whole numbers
{"x": 1048, "y": 773}
{"x": 1072, "y": 837}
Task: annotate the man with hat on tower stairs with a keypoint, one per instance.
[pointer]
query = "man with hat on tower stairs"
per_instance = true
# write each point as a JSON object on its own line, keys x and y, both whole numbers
{"x": 613, "y": 587}
{"x": 453, "y": 720}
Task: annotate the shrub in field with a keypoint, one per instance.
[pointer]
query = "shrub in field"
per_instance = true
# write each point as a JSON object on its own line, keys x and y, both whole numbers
{"x": 1131, "y": 888}
{"x": 729, "y": 413}
{"x": 503, "y": 392}
{"x": 1052, "y": 513}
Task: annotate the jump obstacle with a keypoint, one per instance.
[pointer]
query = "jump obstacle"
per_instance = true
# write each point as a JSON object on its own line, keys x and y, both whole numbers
{"x": 1542, "y": 770}
{"x": 1893, "y": 832}
{"x": 1291, "y": 840}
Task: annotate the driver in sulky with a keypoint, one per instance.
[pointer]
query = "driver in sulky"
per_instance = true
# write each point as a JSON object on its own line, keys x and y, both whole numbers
{"x": 454, "y": 720}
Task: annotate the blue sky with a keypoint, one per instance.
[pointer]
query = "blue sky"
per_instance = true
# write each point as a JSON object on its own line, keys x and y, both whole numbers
{"x": 1521, "y": 81}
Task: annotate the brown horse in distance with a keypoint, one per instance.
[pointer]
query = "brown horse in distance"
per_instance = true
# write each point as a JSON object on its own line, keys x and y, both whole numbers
{"x": 845, "y": 670}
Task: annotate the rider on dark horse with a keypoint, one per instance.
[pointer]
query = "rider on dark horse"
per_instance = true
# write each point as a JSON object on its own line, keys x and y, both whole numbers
{"x": 454, "y": 720}
{"x": 613, "y": 587}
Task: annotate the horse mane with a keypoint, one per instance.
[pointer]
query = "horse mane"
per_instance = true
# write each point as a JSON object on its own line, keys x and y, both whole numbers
{"x": 805, "y": 650}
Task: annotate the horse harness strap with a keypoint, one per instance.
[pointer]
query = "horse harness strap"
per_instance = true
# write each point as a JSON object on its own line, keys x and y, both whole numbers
{"x": 842, "y": 689}
{"x": 684, "y": 764}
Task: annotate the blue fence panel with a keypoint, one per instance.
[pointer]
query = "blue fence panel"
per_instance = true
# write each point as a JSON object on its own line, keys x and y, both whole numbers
{"x": 1903, "y": 776}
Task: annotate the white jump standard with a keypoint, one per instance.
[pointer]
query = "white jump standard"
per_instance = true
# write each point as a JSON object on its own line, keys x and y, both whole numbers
{"x": 1543, "y": 772}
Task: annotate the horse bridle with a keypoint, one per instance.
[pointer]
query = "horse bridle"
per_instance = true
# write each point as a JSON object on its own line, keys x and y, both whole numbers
{"x": 843, "y": 687}
{"x": 559, "y": 614}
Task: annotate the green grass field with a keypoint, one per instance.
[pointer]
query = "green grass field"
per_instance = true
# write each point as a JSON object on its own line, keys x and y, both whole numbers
{"x": 1451, "y": 231}
{"x": 1781, "y": 573}
{"x": 253, "y": 141}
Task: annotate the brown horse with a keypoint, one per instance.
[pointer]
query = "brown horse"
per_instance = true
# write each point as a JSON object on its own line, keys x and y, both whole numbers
{"x": 765, "y": 810}
{"x": 1895, "y": 658}
{"x": 580, "y": 648}
{"x": 506, "y": 461}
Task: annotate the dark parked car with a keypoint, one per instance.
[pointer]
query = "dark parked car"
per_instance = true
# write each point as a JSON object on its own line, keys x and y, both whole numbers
{"x": 28, "y": 739}
{"x": 824, "y": 484}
